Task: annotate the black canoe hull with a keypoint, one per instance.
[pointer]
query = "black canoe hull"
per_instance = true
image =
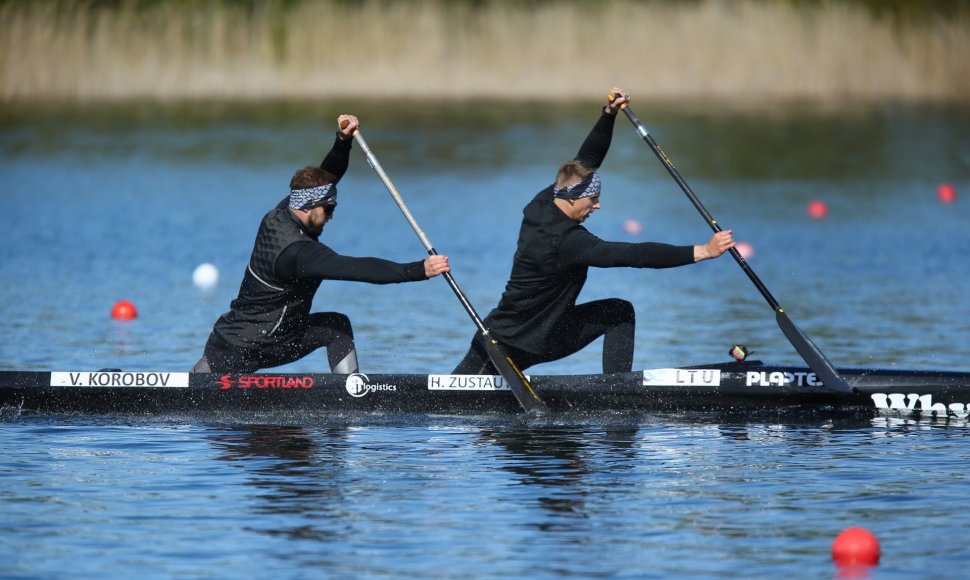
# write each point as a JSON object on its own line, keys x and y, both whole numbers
{"x": 735, "y": 387}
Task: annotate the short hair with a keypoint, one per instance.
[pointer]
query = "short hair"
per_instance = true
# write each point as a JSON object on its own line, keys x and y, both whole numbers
{"x": 572, "y": 172}
{"x": 310, "y": 177}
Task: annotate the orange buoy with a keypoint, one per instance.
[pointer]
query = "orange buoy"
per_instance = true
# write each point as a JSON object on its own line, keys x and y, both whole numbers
{"x": 124, "y": 310}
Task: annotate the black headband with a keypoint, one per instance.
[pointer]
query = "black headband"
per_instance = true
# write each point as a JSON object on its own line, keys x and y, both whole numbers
{"x": 588, "y": 186}
{"x": 313, "y": 196}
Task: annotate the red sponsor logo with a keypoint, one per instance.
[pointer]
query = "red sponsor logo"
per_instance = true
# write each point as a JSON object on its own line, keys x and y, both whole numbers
{"x": 264, "y": 382}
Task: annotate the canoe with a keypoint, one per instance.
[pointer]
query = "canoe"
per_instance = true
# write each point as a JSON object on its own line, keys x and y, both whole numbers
{"x": 745, "y": 386}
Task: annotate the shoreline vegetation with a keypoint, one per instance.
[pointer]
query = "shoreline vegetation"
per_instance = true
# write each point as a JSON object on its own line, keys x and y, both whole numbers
{"x": 743, "y": 50}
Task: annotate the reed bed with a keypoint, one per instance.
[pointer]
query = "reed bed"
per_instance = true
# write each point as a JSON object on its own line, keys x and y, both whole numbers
{"x": 741, "y": 50}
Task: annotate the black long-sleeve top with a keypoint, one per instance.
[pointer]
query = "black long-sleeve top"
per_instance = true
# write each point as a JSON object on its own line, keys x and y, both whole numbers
{"x": 314, "y": 260}
{"x": 286, "y": 268}
{"x": 553, "y": 257}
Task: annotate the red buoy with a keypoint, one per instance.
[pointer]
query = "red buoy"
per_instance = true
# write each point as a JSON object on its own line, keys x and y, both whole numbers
{"x": 855, "y": 547}
{"x": 947, "y": 193}
{"x": 817, "y": 209}
{"x": 124, "y": 310}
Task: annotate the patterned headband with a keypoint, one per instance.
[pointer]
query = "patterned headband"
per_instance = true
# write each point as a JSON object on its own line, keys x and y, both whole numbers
{"x": 586, "y": 187}
{"x": 311, "y": 197}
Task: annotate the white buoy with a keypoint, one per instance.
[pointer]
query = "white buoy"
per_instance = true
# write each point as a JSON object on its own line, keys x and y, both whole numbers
{"x": 205, "y": 277}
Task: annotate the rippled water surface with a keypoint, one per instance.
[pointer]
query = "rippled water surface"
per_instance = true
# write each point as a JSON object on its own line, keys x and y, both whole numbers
{"x": 105, "y": 203}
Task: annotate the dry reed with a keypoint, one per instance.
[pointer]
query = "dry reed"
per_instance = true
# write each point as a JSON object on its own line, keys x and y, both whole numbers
{"x": 744, "y": 50}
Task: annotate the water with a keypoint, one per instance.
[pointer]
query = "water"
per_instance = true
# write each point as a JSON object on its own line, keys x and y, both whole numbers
{"x": 113, "y": 202}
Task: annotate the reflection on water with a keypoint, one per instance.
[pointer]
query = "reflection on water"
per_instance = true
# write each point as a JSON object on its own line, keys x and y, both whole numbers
{"x": 293, "y": 471}
{"x": 409, "y": 496}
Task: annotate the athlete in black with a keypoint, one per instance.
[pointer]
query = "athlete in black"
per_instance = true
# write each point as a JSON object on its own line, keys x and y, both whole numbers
{"x": 269, "y": 324}
{"x": 537, "y": 319}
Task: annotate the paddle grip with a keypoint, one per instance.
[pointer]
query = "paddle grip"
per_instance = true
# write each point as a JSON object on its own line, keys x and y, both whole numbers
{"x": 612, "y": 97}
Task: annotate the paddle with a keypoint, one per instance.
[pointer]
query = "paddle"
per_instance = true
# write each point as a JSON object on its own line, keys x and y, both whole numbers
{"x": 803, "y": 344}
{"x": 518, "y": 384}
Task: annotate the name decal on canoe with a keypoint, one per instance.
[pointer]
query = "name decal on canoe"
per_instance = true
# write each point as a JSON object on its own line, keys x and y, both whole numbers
{"x": 467, "y": 383}
{"x": 682, "y": 377}
{"x": 359, "y": 385}
{"x": 227, "y": 382}
{"x": 915, "y": 403}
{"x": 119, "y": 379}
{"x": 782, "y": 379}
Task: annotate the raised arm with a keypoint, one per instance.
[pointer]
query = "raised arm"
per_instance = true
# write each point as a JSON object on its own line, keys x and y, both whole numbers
{"x": 338, "y": 159}
{"x": 597, "y": 144}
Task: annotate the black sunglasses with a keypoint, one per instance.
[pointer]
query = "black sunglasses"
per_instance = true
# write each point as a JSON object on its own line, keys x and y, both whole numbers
{"x": 329, "y": 208}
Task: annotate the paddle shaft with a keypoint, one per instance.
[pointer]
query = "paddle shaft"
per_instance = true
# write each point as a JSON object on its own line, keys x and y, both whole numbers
{"x": 697, "y": 204}
{"x": 802, "y": 343}
{"x": 372, "y": 160}
{"x": 516, "y": 381}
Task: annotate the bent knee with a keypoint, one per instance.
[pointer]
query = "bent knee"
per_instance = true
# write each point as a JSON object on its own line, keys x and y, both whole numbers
{"x": 336, "y": 321}
{"x": 202, "y": 366}
{"x": 342, "y": 323}
{"x": 623, "y": 308}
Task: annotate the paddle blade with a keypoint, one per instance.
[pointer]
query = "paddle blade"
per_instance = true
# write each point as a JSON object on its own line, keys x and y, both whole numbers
{"x": 518, "y": 384}
{"x": 820, "y": 365}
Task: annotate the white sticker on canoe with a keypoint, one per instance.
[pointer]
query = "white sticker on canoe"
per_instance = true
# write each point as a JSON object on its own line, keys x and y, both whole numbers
{"x": 358, "y": 385}
{"x": 781, "y": 379}
{"x": 119, "y": 379}
{"x": 467, "y": 383}
{"x": 682, "y": 377}
{"x": 913, "y": 402}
